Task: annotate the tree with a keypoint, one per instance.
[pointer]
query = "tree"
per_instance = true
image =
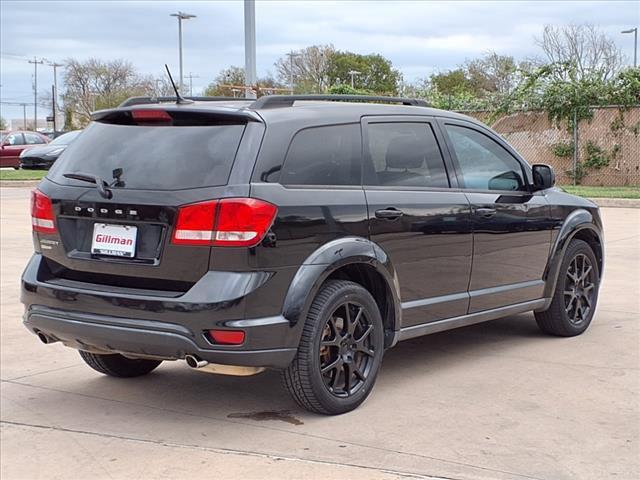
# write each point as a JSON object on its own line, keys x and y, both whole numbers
{"x": 375, "y": 73}
{"x": 95, "y": 84}
{"x": 583, "y": 50}
{"x": 309, "y": 66}
{"x": 228, "y": 80}
{"x": 492, "y": 73}
{"x": 453, "y": 82}
{"x": 230, "y": 83}
{"x": 3, "y": 124}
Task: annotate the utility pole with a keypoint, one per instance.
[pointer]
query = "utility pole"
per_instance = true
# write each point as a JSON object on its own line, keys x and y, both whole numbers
{"x": 191, "y": 77}
{"x": 24, "y": 116}
{"x": 55, "y": 91}
{"x": 35, "y": 91}
{"x": 291, "y": 55}
{"x": 181, "y": 16}
{"x": 249, "y": 48}
{"x": 635, "y": 44}
{"x": 53, "y": 107}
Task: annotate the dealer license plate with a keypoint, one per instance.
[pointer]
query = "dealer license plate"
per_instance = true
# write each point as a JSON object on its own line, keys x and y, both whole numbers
{"x": 115, "y": 240}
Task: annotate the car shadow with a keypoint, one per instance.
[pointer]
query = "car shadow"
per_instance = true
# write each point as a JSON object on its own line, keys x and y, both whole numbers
{"x": 176, "y": 389}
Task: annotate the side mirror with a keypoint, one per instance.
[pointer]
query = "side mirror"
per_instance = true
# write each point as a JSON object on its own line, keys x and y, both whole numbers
{"x": 543, "y": 176}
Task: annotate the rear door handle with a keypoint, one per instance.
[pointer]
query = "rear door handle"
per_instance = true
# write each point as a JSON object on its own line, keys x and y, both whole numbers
{"x": 486, "y": 212}
{"x": 390, "y": 213}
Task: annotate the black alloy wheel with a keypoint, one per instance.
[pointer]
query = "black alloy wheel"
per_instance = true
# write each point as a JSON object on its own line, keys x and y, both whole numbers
{"x": 580, "y": 289}
{"x": 576, "y": 293}
{"x": 340, "y": 350}
{"x": 346, "y": 349}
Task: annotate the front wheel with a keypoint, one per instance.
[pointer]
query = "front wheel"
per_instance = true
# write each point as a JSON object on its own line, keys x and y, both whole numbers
{"x": 340, "y": 351}
{"x": 576, "y": 294}
{"x": 116, "y": 365}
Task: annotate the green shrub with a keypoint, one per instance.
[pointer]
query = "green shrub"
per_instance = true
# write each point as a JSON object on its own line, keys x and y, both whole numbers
{"x": 597, "y": 157}
{"x": 563, "y": 149}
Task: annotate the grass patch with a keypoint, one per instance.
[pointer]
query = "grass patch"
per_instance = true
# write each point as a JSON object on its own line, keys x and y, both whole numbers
{"x": 603, "y": 192}
{"x": 12, "y": 174}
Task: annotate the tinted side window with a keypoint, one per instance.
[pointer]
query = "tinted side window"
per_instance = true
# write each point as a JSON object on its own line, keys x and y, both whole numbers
{"x": 404, "y": 154}
{"x": 484, "y": 163}
{"x": 324, "y": 156}
{"x": 33, "y": 139}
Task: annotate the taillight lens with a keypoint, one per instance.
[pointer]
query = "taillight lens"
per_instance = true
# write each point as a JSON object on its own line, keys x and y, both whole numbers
{"x": 243, "y": 222}
{"x": 230, "y": 222}
{"x": 42, "y": 217}
{"x": 195, "y": 223}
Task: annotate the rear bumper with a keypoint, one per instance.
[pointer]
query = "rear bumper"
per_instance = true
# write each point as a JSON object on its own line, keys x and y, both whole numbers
{"x": 154, "y": 326}
{"x": 135, "y": 337}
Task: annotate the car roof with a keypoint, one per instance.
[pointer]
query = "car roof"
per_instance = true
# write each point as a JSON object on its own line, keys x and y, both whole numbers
{"x": 303, "y": 111}
{"x": 347, "y": 112}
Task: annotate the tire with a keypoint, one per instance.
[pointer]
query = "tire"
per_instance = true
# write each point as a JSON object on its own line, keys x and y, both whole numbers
{"x": 117, "y": 365}
{"x": 576, "y": 294}
{"x": 343, "y": 334}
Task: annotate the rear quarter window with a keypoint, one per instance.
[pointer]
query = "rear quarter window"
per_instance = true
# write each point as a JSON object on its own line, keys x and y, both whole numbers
{"x": 329, "y": 155}
{"x": 152, "y": 157}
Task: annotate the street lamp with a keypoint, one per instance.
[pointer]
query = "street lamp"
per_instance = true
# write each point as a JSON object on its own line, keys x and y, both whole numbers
{"x": 181, "y": 16}
{"x": 353, "y": 73}
{"x": 635, "y": 44}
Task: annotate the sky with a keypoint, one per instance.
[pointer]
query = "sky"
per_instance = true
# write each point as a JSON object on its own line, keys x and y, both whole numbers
{"x": 419, "y": 37}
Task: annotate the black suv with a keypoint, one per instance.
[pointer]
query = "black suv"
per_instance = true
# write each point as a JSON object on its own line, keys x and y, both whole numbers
{"x": 299, "y": 233}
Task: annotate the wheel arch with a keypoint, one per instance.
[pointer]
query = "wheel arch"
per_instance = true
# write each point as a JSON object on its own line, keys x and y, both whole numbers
{"x": 581, "y": 225}
{"x": 352, "y": 258}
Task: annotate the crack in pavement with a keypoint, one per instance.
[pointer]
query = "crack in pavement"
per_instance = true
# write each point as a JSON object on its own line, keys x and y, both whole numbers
{"x": 224, "y": 451}
{"x": 282, "y": 430}
{"x": 40, "y": 373}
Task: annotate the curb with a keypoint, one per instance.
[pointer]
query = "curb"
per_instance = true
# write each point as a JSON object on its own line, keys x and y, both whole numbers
{"x": 617, "y": 202}
{"x": 19, "y": 183}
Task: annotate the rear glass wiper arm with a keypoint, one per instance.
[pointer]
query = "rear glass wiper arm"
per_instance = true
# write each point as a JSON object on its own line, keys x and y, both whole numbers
{"x": 101, "y": 185}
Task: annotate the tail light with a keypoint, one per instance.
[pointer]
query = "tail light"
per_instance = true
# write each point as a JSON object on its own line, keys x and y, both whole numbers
{"x": 42, "y": 217}
{"x": 230, "y": 222}
{"x": 145, "y": 117}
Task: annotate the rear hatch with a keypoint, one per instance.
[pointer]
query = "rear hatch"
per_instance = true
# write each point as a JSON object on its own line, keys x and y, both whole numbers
{"x": 152, "y": 161}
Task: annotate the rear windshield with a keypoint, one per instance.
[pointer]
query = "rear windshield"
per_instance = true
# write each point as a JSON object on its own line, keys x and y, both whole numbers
{"x": 152, "y": 157}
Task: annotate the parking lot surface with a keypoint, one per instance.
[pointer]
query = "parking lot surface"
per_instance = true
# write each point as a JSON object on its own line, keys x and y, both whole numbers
{"x": 497, "y": 400}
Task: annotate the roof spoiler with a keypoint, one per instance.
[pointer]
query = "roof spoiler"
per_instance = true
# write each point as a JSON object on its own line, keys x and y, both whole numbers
{"x": 151, "y": 100}
{"x": 277, "y": 101}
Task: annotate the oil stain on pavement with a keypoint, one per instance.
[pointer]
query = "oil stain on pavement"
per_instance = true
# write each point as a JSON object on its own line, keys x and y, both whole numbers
{"x": 282, "y": 415}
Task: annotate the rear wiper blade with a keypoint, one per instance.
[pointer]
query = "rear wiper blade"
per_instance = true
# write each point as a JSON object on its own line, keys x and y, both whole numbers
{"x": 101, "y": 185}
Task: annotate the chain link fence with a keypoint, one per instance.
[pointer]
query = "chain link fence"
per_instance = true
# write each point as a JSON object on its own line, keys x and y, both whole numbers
{"x": 608, "y": 144}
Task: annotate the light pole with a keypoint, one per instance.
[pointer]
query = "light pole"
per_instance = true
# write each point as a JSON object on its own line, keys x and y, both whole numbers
{"x": 291, "y": 57}
{"x": 635, "y": 44}
{"x": 181, "y": 16}
{"x": 353, "y": 73}
{"x": 250, "y": 76}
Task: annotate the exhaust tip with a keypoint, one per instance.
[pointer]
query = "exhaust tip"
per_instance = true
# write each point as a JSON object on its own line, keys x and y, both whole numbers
{"x": 43, "y": 338}
{"x": 195, "y": 362}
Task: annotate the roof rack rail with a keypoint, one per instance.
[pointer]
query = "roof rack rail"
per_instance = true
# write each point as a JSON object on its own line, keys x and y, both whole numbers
{"x": 150, "y": 100}
{"x": 275, "y": 101}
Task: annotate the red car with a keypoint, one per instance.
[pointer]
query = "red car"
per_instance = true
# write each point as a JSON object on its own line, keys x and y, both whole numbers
{"x": 13, "y": 143}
